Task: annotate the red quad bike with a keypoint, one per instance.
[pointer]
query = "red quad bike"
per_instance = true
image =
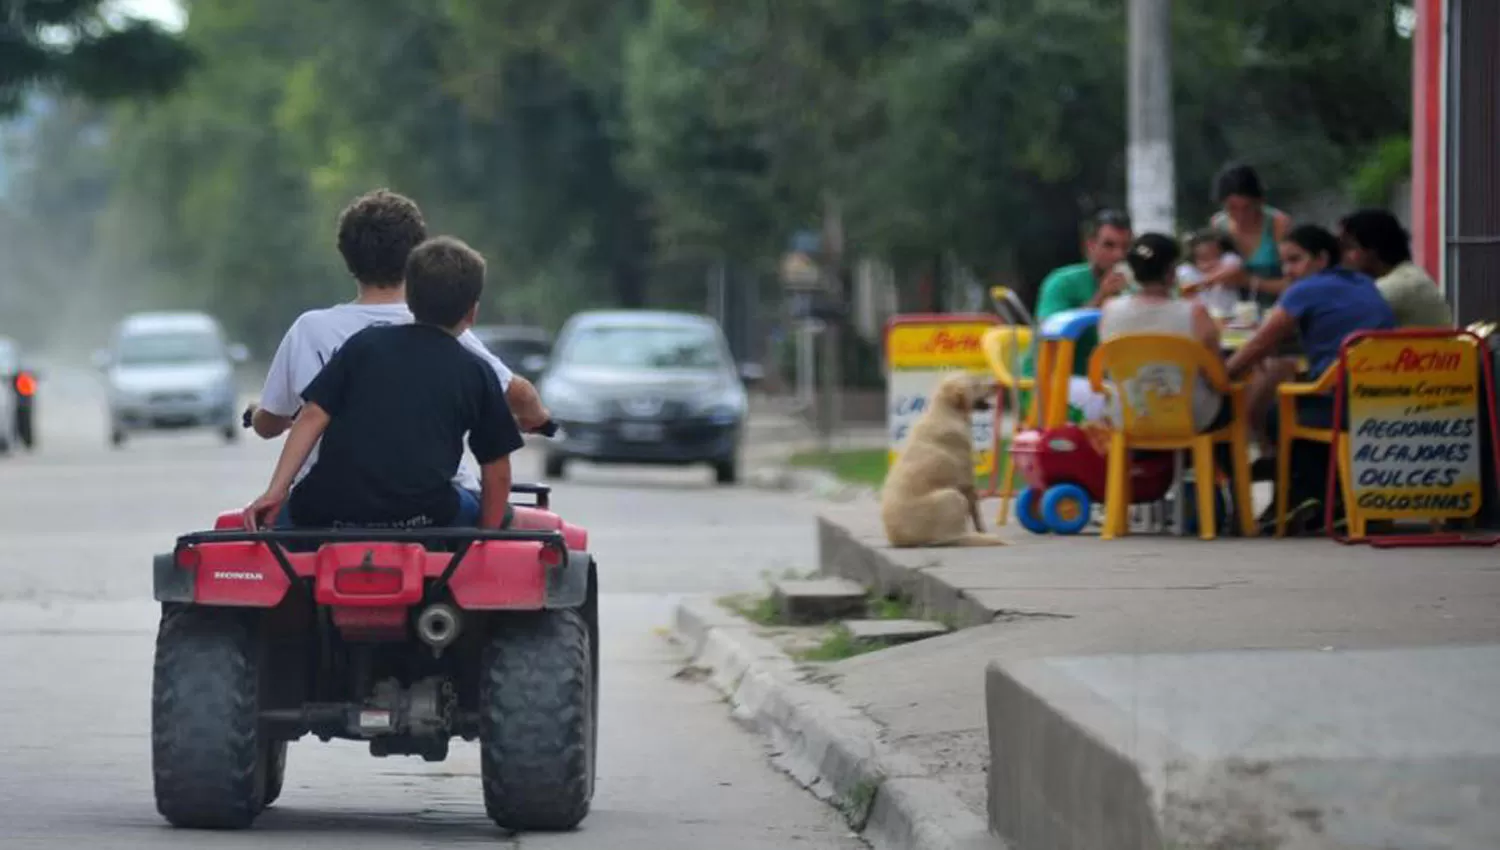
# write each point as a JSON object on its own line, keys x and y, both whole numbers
{"x": 402, "y": 638}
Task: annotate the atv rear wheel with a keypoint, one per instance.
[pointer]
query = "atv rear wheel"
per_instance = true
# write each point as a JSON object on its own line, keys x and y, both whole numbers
{"x": 205, "y": 740}
{"x": 538, "y": 722}
{"x": 274, "y": 765}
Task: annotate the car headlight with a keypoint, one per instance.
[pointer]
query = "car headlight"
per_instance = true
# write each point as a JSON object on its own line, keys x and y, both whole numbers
{"x": 570, "y": 405}
{"x": 726, "y": 409}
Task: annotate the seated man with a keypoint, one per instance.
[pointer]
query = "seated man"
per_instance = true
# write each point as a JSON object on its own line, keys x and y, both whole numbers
{"x": 376, "y": 233}
{"x": 392, "y": 408}
{"x": 1376, "y": 244}
{"x": 1086, "y": 284}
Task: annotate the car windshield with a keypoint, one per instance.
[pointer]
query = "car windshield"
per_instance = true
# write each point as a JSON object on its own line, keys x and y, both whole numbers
{"x": 168, "y": 348}
{"x": 645, "y": 347}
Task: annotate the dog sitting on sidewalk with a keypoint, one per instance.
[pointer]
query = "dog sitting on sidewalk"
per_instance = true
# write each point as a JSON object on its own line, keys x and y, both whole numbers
{"x": 929, "y": 497}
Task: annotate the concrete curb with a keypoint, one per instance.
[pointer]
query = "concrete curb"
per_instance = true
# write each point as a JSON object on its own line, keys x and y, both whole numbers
{"x": 842, "y": 554}
{"x": 824, "y": 743}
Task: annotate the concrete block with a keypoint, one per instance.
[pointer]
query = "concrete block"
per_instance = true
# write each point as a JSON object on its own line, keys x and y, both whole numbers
{"x": 1311, "y": 750}
{"x": 817, "y": 600}
{"x": 892, "y": 632}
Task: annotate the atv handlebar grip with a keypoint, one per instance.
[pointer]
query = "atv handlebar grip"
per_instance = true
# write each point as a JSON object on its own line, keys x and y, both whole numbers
{"x": 547, "y": 429}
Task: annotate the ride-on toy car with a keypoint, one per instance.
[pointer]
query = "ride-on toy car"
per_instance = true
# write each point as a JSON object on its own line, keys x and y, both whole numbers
{"x": 402, "y": 638}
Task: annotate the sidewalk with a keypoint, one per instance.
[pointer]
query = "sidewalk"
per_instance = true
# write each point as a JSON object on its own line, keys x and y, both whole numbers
{"x": 1048, "y": 600}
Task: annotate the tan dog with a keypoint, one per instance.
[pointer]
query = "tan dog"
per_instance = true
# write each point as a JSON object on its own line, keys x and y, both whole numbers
{"x": 929, "y": 496}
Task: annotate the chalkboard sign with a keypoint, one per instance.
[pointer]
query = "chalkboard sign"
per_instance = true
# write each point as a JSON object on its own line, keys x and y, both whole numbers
{"x": 1414, "y": 426}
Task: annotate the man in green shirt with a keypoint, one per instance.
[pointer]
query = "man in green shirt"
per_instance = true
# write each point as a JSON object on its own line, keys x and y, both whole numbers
{"x": 1375, "y": 243}
{"x": 1086, "y": 284}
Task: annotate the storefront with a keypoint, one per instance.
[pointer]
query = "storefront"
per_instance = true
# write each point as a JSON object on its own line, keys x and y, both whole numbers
{"x": 1456, "y": 152}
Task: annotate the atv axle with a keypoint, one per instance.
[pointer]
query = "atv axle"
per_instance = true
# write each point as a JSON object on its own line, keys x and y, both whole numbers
{"x": 423, "y": 711}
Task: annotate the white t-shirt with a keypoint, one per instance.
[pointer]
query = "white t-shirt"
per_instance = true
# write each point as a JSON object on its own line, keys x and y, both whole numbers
{"x": 1219, "y": 298}
{"x": 317, "y": 334}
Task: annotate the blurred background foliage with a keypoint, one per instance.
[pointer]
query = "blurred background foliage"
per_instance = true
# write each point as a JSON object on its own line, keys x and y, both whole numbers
{"x": 615, "y": 153}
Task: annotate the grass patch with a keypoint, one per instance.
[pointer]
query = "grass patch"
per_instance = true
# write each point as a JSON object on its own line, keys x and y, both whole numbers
{"x": 760, "y": 610}
{"x": 859, "y": 466}
{"x": 839, "y": 644}
{"x": 889, "y": 608}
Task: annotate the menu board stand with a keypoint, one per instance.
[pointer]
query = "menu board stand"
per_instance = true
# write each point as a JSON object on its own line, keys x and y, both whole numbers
{"x": 1413, "y": 402}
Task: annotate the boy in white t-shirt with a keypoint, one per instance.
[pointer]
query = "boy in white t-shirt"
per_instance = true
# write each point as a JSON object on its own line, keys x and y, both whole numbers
{"x": 377, "y": 232}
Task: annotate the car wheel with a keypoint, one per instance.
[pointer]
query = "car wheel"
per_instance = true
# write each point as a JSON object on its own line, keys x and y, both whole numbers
{"x": 554, "y": 465}
{"x": 230, "y": 433}
{"x": 116, "y": 436}
{"x": 727, "y": 471}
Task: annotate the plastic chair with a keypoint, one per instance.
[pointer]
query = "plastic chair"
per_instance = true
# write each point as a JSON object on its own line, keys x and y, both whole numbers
{"x": 1153, "y": 377}
{"x": 1002, "y": 346}
{"x": 1335, "y": 438}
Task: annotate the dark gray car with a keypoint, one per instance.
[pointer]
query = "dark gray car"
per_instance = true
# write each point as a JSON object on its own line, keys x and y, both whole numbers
{"x": 641, "y": 386}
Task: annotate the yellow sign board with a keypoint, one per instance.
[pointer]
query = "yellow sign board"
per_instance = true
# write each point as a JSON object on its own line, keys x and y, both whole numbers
{"x": 1414, "y": 427}
{"x": 920, "y": 350}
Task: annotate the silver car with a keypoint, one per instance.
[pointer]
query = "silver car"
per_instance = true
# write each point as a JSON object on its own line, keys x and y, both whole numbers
{"x": 642, "y": 386}
{"x": 171, "y": 371}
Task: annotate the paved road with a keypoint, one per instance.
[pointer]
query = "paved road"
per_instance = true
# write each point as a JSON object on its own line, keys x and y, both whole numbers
{"x": 78, "y": 522}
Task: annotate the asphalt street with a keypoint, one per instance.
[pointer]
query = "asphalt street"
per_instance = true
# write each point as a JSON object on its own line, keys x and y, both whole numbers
{"x": 79, "y": 522}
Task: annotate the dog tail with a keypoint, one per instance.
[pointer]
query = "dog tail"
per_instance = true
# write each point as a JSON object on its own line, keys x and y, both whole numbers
{"x": 977, "y": 539}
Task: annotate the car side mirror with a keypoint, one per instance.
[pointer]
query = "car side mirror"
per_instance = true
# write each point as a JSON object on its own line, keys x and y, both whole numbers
{"x": 238, "y": 352}
{"x": 101, "y": 359}
{"x": 752, "y": 374}
{"x": 534, "y": 363}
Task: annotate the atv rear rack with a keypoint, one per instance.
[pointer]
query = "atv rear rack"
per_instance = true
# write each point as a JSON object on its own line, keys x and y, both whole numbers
{"x": 463, "y": 538}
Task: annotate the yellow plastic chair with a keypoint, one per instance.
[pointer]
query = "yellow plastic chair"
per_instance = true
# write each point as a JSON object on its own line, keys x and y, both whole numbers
{"x": 1153, "y": 377}
{"x": 1002, "y": 346}
{"x": 1335, "y": 438}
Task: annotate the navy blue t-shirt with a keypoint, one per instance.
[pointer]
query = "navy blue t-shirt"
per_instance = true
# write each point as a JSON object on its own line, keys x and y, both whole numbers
{"x": 400, "y": 399}
{"x": 1329, "y": 306}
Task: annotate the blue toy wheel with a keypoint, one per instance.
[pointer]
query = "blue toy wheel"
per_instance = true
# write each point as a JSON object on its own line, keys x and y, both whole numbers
{"x": 1027, "y": 512}
{"x": 1066, "y": 508}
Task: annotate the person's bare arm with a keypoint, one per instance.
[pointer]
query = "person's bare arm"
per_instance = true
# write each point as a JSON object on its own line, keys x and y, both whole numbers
{"x": 309, "y": 427}
{"x": 269, "y": 425}
{"x": 494, "y": 492}
{"x": 526, "y": 404}
{"x": 1278, "y": 325}
{"x": 1205, "y": 328}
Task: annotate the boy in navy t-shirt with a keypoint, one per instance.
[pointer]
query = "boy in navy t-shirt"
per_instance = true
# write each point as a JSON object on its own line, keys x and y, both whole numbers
{"x": 392, "y": 407}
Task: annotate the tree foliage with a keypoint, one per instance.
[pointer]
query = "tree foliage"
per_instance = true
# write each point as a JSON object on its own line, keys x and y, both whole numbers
{"x": 72, "y": 46}
{"x": 605, "y": 153}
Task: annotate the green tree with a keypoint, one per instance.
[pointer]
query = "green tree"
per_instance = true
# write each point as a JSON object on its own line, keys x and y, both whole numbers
{"x": 73, "y": 46}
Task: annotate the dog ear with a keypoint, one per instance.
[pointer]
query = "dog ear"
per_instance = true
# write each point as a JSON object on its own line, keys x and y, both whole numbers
{"x": 953, "y": 391}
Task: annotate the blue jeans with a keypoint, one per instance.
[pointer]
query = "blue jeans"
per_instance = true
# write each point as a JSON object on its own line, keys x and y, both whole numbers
{"x": 467, "y": 516}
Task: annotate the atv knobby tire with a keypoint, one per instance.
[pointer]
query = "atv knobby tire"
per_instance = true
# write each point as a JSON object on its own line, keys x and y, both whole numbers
{"x": 274, "y": 754}
{"x": 537, "y": 722}
{"x": 205, "y": 743}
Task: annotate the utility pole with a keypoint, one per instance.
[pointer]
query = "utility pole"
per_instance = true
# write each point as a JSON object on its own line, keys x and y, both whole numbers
{"x": 1152, "y": 181}
{"x": 832, "y": 269}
